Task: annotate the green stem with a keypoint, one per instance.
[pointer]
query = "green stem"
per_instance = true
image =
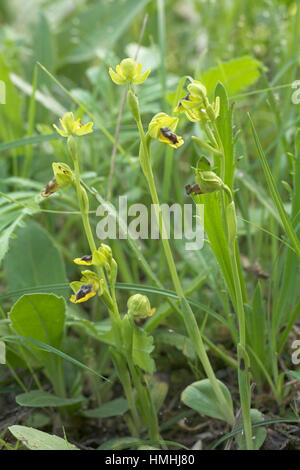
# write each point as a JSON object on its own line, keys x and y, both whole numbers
{"x": 230, "y": 229}
{"x": 243, "y": 372}
{"x": 189, "y": 317}
{"x": 122, "y": 371}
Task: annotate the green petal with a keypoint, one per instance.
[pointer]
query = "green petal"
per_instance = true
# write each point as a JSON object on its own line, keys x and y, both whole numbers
{"x": 86, "y": 129}
{"x": 62, "y": 133}
{"x": 116, "y": 78}
{"x": 141, "y": 78}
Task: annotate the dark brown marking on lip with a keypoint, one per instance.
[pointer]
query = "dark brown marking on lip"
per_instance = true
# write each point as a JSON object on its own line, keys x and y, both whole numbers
{"x": 185, "y": 98}
{"x": 192, "y": 189}
{"x": 86, "y": 258}
{"x": 166, "y": 131}
{"x": 83, "y": 291}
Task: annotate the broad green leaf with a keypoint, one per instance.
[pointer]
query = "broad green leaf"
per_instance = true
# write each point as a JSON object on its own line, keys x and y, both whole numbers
{"x": 34, "y": 439}
{"x": 236, "y": 74}
{"x": 200, "y": 397}
{"x": 113, "y": 408}
{"x": 42, "y": 318}
{"x": 259, "y": 433}
{"x": 41, "y": 399}
{"x": 142, "y": 348}
{"x": 33, "y": 259}
{"x": 2, "y": 353}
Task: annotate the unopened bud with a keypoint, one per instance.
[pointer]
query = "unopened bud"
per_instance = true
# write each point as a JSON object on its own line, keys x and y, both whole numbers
{"x": 208, "y": 181}
{"x": 139, "y": 306}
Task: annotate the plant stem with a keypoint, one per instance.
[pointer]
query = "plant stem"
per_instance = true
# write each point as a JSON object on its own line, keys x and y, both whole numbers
{"x": 243, "y": 373}
{"x": 189, "y": 317}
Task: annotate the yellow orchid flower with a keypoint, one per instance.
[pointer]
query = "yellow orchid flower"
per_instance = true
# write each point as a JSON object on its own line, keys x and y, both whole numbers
{"x": 86, "y": 260}
{"x": 72, "y": 127}
{"x": 128, "y": 71}
{"x": 162, "y": 127}
{"x": 100, "y": 257}
{"x": 87, "y": 287}
{"x": 196, "y": 105}
{"x": 83, "y": 293}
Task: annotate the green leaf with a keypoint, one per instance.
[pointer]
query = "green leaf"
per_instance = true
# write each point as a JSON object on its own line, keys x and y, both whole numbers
{"x": 259, "y": 434}
{"x": 17, "y": 339}
{"x": 294, "y": 373}
{"x": 42, "y": 318}
{"x": 11, "y": 126}
{"x": 2, "y": 353}
{"x": 286, "y": 221}
{"x": 200, "y": 397}
{"x": 257, "y": 323}
{"x": 236, "y": 74}
{"x": 33, "y": 259}
{"x": 43, "y": 49}
{"x": 120, "y": 443}
{"x": 113, "y": 408}
{"x": 224, "y": 125}
{"x": 34, "y": 439}
{"x": 142, "y": 348}
{"x": 180, "y": 342}
{"x": 41, "y": 399}
{"x": 36, "y": 139}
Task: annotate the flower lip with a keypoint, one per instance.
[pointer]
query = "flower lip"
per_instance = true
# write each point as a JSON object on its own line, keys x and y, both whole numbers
{"x": 192, "y": 189}
{"x": 185, "y": 98}
{"x": 86, "y": 260}
{"x": 50, "y": 188}
{"x": 166, "y": 131}
{"x": 84, "y": 290}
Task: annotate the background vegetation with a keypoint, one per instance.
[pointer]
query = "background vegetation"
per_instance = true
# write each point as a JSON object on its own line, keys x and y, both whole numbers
{"x": 252, "y": 47}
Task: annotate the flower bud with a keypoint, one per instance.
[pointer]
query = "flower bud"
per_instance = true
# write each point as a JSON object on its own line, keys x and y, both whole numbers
{"x": 197, "y": 89}
{"x": 128, "y": 67}
{"x": 139, "y": 306}
{"x": 208, "y": 181}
